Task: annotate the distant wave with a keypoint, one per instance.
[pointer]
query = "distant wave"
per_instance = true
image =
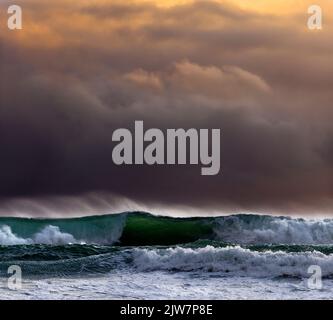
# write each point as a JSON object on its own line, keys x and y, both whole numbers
{"x": 139, "y": 229}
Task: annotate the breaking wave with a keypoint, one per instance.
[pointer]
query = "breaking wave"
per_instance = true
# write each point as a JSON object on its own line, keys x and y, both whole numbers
{"x": 233, "y": 261}
{"x": 248, "y": 229}
{"x": 95, "y": 229}
{"x": 142, "y": 229}
{"x": 49, "y": 235}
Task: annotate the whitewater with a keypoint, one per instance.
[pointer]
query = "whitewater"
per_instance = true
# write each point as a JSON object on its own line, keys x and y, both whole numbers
{"x": 136, "y": 255}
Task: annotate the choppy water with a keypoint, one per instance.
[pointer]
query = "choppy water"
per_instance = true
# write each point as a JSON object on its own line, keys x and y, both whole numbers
{"x": 136, "y": 255}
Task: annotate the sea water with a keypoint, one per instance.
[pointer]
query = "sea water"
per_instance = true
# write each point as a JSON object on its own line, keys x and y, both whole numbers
{"x": 140, "y": 256}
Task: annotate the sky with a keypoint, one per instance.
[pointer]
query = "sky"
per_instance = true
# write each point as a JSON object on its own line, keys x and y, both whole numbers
{"x": 79, "y": 70}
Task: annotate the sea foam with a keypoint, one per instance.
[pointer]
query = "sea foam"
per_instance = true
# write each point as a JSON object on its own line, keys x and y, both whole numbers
{"x": 49, "y": 235}
{"x": 248, "y": 229}
{"x": 232, "y": 261}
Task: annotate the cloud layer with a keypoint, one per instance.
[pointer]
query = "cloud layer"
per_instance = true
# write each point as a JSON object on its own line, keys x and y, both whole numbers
{"x": 80, "y": 70}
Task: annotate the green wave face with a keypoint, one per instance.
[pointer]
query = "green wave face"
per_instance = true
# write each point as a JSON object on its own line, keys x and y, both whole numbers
{"x": 145, "y": 229}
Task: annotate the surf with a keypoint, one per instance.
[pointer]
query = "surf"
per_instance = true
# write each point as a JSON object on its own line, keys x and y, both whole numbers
{"x": 144, "y": 229}
{"x": 233, "y": 261}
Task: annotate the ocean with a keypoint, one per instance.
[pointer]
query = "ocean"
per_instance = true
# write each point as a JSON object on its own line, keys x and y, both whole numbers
{"x": 136, "y": 255}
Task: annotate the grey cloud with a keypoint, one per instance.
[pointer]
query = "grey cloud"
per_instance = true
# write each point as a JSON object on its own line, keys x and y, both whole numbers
{"x": 60, "y": 104}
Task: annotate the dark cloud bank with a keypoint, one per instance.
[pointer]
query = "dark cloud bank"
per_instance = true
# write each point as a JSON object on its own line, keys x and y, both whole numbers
{"x": 61, "y": 100}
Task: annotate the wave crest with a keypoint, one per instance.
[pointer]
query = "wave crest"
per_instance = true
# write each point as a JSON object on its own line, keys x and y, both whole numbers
{"x": 49, "y": 235}
{"x": 7, "y": 237}
{"x": 142, "y": 229}
{"x": 91, "y": 230}
{"x": 248, "y": 229}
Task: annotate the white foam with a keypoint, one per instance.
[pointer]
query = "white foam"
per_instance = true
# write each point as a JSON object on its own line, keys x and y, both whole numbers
{"x": 234, "y": 261}
{"x": 275, "y": 230}
{"x": 53, "y": 236}
{"x": 49, "y": 235}
{"x": 162, "y": 285}
{"x": 7, "y": 237}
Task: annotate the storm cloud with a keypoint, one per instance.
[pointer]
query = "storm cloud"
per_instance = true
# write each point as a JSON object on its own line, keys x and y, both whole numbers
{"x": 78, "y": 71}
